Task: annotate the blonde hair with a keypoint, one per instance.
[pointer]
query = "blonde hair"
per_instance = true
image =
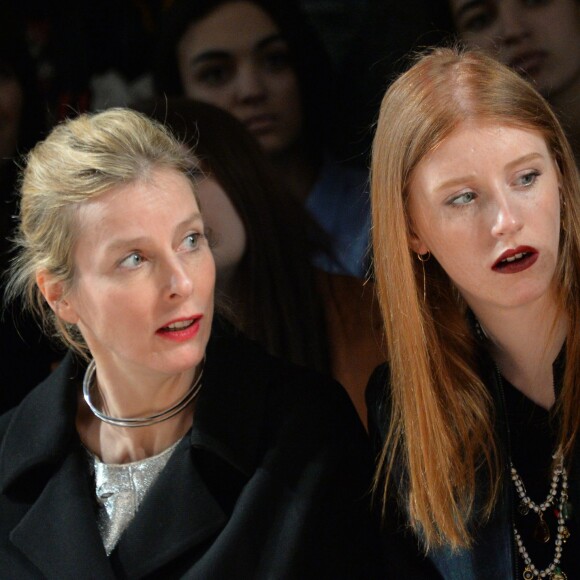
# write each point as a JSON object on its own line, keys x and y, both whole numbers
{"x": 441, "y": 428}
{"x": 79, "y": 160}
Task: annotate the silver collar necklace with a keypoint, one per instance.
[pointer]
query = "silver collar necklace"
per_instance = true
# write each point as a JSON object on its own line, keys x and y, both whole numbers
{"x": 138, "y": 421}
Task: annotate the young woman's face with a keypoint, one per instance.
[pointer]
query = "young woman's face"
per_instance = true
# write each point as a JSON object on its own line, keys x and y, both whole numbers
{"x": 236, "y": 59}
{"x": 224, "y": 229}
{"x": 486, "y": 204}
{"x": 540, "y": 38}
{"x": 142, "y": 295}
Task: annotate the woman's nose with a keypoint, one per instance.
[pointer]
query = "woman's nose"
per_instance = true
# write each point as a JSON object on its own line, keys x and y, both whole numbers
{"x": 250, "y": 83}
{"x": 507, "y": 219}
{"x": 178, "y": 282}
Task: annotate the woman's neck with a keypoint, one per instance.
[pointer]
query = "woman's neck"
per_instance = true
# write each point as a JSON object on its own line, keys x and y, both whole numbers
{"x": 115, "y": 444}
{"x": 525, "y": 342}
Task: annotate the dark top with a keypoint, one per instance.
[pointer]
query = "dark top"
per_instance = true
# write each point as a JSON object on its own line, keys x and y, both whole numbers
{"x": 494, "y": 553}
{"x": 271, "y": 483}
{"x": 533, "y": 438}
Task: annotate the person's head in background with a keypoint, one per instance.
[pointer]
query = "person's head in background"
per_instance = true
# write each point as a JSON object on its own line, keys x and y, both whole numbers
{"x": 257, "y": 59}
{"x": 540, "y": 39}
{"x": 262, "y": 240}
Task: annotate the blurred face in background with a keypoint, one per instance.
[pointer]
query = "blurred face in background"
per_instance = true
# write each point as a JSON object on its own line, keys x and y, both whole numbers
{"x": 10, "y": 112}
{"x": 236, "y": 59}
{"x": 224, "y": 229}
{"x": 539, "y": 38}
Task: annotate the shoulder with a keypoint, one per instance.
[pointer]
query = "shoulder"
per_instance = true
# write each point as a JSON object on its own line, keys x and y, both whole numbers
{"x": 283, "y": 409}
{"x": 41, "y": 427}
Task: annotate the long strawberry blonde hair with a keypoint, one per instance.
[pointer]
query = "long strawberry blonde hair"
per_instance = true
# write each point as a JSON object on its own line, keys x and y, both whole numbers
{"x": 441, "y": 429}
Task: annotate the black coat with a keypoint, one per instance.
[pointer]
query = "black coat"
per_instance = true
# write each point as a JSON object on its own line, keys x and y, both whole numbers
{"x": 272, "y": 482}
{"x": 494, "y": 553}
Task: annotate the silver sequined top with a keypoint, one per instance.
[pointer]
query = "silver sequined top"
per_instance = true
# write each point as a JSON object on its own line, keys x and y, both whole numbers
{"x": 120, "y": 489}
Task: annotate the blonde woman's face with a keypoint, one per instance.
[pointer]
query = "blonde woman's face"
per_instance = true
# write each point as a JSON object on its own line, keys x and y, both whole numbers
{"x": 236, "y": 59}
{"x": 486, "y": 204}
{"x": 142, "y": 296}
{"x": 539, "y": 38}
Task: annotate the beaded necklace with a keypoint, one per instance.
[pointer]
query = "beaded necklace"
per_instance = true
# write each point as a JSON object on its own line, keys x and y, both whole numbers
{"x": 542, "y": 532}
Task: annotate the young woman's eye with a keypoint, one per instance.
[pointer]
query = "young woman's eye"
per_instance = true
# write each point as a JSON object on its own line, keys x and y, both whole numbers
{"x": 213, "y": 75}
{"x": 476, "y": 20}
{"x": 528, "y": 178}
{"x": 132, "y": 261}
{"x": 463, "y": 198}
{"x": 277, "y": 60}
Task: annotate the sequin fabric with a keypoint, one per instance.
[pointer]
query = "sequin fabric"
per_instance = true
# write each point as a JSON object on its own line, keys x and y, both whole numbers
{"x": 120, "y": 489}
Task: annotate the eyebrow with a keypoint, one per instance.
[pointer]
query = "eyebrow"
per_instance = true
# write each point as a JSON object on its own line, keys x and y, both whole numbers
{"x": 216, "y": 54}
{"x": 121, "y": 243}
{"x": 467, "y": 6}
{"x": 460, "y": 180}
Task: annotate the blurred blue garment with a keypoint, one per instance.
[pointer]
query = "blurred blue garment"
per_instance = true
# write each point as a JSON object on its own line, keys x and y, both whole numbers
{"x": 339, "y": 202}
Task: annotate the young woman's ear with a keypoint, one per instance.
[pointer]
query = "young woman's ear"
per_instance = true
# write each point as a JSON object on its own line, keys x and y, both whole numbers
{"x": 417, "y": 245}
{"x": 53, "y": 292}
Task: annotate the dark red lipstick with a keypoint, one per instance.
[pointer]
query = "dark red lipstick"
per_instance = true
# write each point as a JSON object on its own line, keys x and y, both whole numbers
{"x": 516, "y": 260}
{"x": 181, "y": 329}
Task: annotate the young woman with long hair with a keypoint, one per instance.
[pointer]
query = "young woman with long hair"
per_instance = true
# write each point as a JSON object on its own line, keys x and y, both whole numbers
{"x": 476, "y": 212}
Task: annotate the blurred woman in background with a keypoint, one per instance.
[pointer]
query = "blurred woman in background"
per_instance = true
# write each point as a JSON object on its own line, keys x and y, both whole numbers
{"x": 260, "y": 61}
{"x": 540, "y": 40}
{"x": 264, "y": 244}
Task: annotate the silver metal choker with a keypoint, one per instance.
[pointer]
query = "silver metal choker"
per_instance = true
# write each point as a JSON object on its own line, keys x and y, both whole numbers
{"x": 139, "y": 421}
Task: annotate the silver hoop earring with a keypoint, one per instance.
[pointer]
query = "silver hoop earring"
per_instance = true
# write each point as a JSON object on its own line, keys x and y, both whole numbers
{"x": 424, "y": 258}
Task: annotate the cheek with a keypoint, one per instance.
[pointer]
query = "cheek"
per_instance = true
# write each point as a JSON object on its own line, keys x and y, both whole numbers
{"x": 232, "y": 245}
{"x": 218, "y": 97}
{"x": 287, "y": 91}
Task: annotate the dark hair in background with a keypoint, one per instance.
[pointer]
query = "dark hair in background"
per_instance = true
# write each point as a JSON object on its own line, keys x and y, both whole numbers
{"x": 277, "y": 303}
{"x": 314, "y": 69}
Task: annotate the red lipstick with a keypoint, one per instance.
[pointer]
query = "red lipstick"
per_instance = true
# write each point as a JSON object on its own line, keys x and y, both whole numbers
{"x": 181, "y": 329}
{"x": 516, "y": 260}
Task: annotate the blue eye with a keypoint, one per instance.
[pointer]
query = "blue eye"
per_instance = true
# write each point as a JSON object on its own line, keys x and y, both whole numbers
{"x": 528, "y": 178}
{"x": 132, "y": 261}
{"x": 463, "y": 198}
{"x": 192, "y": 241}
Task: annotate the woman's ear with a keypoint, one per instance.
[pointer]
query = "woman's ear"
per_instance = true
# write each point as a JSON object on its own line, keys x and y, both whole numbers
{"x": 416, "y": 244}
{"x": 53, "y": 292}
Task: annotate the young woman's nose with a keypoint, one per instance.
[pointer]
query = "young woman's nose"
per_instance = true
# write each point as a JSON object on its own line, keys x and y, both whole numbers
{"x": 506, "y": 219}
{"x": 250, "y": 85}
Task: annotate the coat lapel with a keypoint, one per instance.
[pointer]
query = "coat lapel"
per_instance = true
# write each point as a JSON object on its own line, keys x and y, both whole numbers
{"x": 177, "y": 514}
{"x": 59, "y": 534}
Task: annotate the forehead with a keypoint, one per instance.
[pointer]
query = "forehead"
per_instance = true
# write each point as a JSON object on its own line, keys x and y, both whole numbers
{"x": 476, "y": 145}
{"x": 232, "y": 26}
{"x": 162, "y": 195}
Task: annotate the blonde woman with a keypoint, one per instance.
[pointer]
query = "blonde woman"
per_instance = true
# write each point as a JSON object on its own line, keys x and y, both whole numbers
{"x": 476, "y": 210}
{"x": 154, "y": 450}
